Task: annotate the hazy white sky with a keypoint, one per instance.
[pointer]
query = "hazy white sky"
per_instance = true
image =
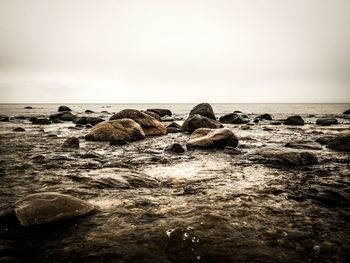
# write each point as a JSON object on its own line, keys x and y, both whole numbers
{"x": 174, "y": 51}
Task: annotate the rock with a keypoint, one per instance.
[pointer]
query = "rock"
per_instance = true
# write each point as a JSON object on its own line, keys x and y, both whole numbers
{"x": 63, "y": 116}
{"x": 324, "y": 139}
{"x": 172, "y": 130}
{"x": 118, "y": 143}
{"x": 289, "y": 158}
{"x": 233, "y": 118}
{"x": 212, "y": 138}
{"x": 90, "y": 155}
{"x": 301, "y": 144}
{"x": 154, "y": 115}
{"x": 50, "y": 207}
{"x": 346, "y": 112}
{"x": 167, "y": 118}
{"x": 89, "y": 111}
{"x": 276, "y": 123}
{"x": 4, "y": 118}
{"x": 28, "y": 107}
{"x": 175, "y": 147}
{"x": 294, "y": 120}
{"x": 161, "y": 112}
{"x": 71, "y": 142}
{"x": 121, "y": 129}
{"x": 88, "y": 120}
{"x": 326, "y": 121}
{"x": 203, "y": 109}
{"x": 20, "y": 117}
{"x": 197, "y": 121}
{"x": 265, "y": 116}
{"x": 19, "y": 129}
{"x": 64, "y": 108}
{"x": 231, "y": 150}
{"x": 41, "y": 121}
{"x": 174, "y": 125}
{"x": 149, "y": 124}
{"x": 340, "y": 142}
{"x": 57, "y": 121}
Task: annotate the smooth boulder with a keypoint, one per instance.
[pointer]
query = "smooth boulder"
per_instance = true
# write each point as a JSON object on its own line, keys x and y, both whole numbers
{"x": 326, "y": 121}
{"x": 149, "y": 124}
{"x": 161, "y": 112}
{"x": 203, "y": 109}
{"x": 121, "y": 129}
{"x": 212, "y": 138}
{"x": 340, "y": 142}
{"x": 48, "y": 207}
{"x": 234, "y": 118}
{"x": 197, "y": 121}
{"x": 294, "y": 120}
{"x": 63, "y": 108}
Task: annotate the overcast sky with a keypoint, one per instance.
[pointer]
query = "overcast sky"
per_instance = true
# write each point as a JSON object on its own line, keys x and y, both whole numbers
{"x": 174, "y": 51}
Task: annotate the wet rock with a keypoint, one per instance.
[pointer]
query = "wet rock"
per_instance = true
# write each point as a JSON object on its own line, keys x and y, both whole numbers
{"x": 212, "y": 138}
{"x": 340, "y": 142}
{"x": 233, "y": 118}
{"x": 71, "y": 142}
{"x": 64, "y": 108}
{"x": 63, "y": 116}
{"x": 324, "y": 139}
{"x": 197, "y": 121}
{"x": 203, "y": 109}
{"x": 88, "y": 126}
{"x": 167, "y": 118}
{"x": 118, "y": 142}
{"x": 289, "y": 158}
{"x": 121, "y": 129}
{"x": 265, "y": 116}
{"x": 57, "y": 121}
{"x": 326, "y": 121}
{"x": 50, "y": 207}
{"x": 88, "y": 120}
{"x": 332, "y": 197}
{"x": 294, "y": 120}
{"x": 19, "y": 129}
{"x": 154, "y": 115}
{"x": 175, "y": 147}
{"x": 232, "y": 150}
{"x": 149, "y": 124}
{"x": 276, "y": 123}
{"x": 28, "y": 107}
{"x": 161, "y": 112}
{"x": 4, "y": 118}
{"x": 172, "y": 130}
{"x": 41, "y": 121}
{"x": 89, "y": 111}
{"x": 20, "y": 117}
{"x": 90, "y": 155}
{"x": 346, "y": 112}
{"x": 302, "y": 144}
{"x": 174, "y": 125}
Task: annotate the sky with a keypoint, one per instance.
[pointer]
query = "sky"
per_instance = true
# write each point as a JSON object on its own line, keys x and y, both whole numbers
{"x": 160, "y": 51}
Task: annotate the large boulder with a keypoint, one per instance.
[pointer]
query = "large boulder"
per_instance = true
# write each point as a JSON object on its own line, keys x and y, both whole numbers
{"x": 197, "y": 121}
{"x": 301, "y": 144}
{"x": 326, "y": 121}
{"x": 149, "y": 124}
{"x": 212, "y": 138}
{"x": 50, "y": 207}
{"x": 289, "y": 158}
{"x": 294, "y": 120}
{"x": 64, "y": 108}
{"x": 161, "y": 112}
{"x": 233, "y": 118}
{"x": 340, "y": 142}
{"x": 122, "y": 129}
{"x": 346, "y": 112}
{"x": 63, "y": 116}
{"x": 203, "y": 109}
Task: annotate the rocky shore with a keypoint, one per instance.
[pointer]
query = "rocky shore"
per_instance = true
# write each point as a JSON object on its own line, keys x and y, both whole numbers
{"x": 152, "y": 185}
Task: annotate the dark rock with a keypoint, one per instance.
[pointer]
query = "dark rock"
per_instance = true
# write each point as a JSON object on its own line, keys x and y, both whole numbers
{"x": 28, "y": 107}
{"x": 346, "y": 112}
{"x": 90, "y": 155}
{"x": 20, "y": 117}
{"x": 212, "y": 138}
{"x": 340, "y": 142}
{"x": 326, "y": 121}
{"x": 71, "y": 142}
{"x": 203, "y": 109}
{"x": 294, "y": 120}
{"x": 149, "y": 124}
{"x": 79, "y": 126}
{"x": 324, "y": 139}
{"x": 290, "y": 158}
{"x": 41, "y": 121}
{"x": 50, "y": 207}
{"x": 175, "y": 147}
{"x": 121, "y": 129}
{"x": 19, "y": 129}
{"x": 301, "y": 144}
{"x": 154, "y": 115}
{"x": 167, "y": 118}
{"x": 118, "y": 142}
{"x": 64, "y": 108}
{"x": 4, "y": 118}
{"x": 172, "y": 130}
{"x": 89, "y": 111}
{"x": 233, "y": 118}
{"x": 174, "y": 125}
{"x": 194, "y": 122}
{"x": 63, "y": 116}
{"x": 88, "y": 126}
{"x": 161, "y": 112}
{"x": 265, "y": 116}
{"x": 276, "y": 123}
{"x": 88, "y": 120}
{"x": 232, "y": 150}
{"x": 57, "y": 121}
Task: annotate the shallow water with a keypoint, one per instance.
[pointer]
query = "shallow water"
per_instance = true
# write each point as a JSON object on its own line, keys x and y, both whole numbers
{"x": 199, "y": 206}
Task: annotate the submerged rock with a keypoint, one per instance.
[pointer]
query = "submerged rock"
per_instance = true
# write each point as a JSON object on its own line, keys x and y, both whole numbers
{"x": 89, "y": 111}
{"x": 88, "y": 120}
{"x": 289, "y": 158}
{"x": 121, "y": 129}
{"x": 64, "y": 108}
{"x": 326, "y": 121}
{"x": 265, "y": 116}
{"x": 203, "y": 109}
{"x": 50, "y": 207}
{"x": 301, "y": 144}
{"x": 175, "y": 147}
{"x": 233, "y": 118}
{"x": 294, "y": 120}
{"x": 4, "y": 118}
{"x": 71, "y": 142}
{"x": 41, "y": 121}
{"x": 19, "y": 129}
{"x": 149, "y": 124}
{"x": 212, "y": 138}
{"x": 28, "y": 107}
{"x": 161, "y": 112}
{"x": 197, "y": 121}
{"x": 340, "y": 142}
{"x": 324, "y": 139}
